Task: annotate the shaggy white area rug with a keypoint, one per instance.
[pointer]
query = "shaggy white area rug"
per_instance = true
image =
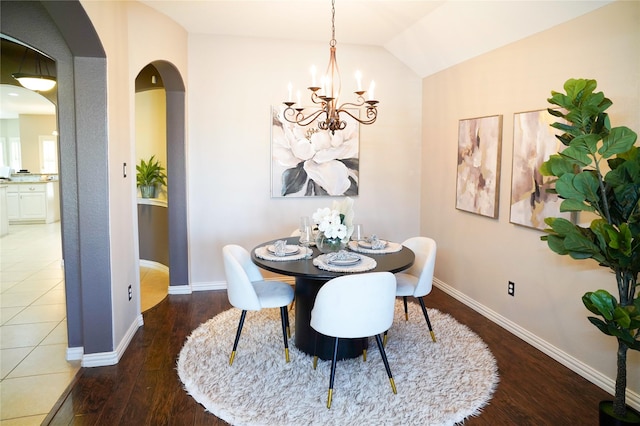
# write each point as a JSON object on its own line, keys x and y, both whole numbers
{"x": 439, "y": 383}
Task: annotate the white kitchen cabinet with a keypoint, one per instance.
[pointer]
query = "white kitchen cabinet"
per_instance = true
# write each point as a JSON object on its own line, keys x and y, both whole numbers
{"x": 33, "y": 202}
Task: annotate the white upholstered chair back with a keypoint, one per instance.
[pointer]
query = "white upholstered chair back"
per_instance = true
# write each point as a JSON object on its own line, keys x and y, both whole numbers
{"x": 353, "y": 306}
{"x": 425, "y": 250}
{"x": 240, "y": 272}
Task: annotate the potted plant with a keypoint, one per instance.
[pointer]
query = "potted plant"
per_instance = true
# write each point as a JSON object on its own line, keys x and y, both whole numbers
{"x": 149, "y": 175}
{"x": 611, "y": 193}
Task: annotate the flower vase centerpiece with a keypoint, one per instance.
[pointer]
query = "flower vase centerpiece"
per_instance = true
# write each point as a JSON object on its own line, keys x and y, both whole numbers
{"x": 335, "y": 226}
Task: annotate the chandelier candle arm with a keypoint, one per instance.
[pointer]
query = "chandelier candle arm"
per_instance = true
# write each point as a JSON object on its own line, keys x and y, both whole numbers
{"x": 326, "y": 96}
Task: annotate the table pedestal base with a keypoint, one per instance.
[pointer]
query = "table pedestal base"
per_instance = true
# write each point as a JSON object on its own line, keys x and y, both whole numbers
{"x": 305, "y": 336}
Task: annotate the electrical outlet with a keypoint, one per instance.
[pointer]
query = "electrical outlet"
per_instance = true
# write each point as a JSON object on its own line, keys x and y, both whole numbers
{"x": 511, "y": 288}
{"x": 130, "y": 292}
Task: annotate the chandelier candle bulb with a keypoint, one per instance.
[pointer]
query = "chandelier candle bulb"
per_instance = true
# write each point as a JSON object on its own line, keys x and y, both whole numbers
{"x": 313, "y": 76}
{"x": 372, "y": 87}
{"x": 298, "y": 97}
{"x": 359, "y": 80}
{"x": 290, "y": 89}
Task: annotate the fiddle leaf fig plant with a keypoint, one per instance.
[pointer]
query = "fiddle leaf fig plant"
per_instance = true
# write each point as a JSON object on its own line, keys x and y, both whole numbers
{"x": 599, "y": 172}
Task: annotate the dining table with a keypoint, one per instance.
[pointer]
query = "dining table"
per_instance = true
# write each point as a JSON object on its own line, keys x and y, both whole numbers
{"x": 311, "y": 273}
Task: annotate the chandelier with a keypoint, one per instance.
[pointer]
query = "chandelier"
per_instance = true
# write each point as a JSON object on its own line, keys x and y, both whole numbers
{"x": 36, "y": 81}
{"x": 326, "y": 96}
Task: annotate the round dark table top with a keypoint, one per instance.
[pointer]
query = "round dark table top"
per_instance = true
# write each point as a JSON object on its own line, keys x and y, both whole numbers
{"x": 389, "y": 262}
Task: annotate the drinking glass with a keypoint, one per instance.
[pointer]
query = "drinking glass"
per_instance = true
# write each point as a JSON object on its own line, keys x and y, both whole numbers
{"x": 358, "y": 233}
{"x": 305, "y": 238}
{"x": 304, "y": 222}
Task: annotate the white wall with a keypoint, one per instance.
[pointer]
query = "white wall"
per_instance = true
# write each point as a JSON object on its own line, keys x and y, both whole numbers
{"x": 232, "y": 84}
{"x": 477, "y": 256}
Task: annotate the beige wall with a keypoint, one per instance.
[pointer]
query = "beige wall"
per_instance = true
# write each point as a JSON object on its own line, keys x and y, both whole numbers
{"x": 233, "y": 83}
{"x": 151, "y": 129}
{"x": 128, "y": 32}
{"x": 33, "y": 126}
{"x": 477, "y": 256}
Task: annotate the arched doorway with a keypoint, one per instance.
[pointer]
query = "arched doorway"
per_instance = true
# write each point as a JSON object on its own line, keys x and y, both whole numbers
{"x": 63, "y": 31}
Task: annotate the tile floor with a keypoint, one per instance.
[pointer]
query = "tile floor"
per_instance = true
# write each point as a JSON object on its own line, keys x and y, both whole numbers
{"x": 33, "y": 338}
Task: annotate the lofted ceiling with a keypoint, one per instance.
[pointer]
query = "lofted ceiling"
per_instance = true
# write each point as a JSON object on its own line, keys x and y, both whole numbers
{"x": 427, "y": 35}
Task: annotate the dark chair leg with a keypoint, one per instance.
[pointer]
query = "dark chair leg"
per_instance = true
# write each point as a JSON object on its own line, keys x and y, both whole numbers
{"x": 406, "y": 312}
{"x": 334, "y": 361}
{"x": 426, "y": 316}
{"x": 315, "y": 346}
{"x": 384, "y": 338}
{"x": 283, "y": 317}
{"x": 287, "y": 322}
{"x": 235, "y": 343}
{"x": 386, "y": 363}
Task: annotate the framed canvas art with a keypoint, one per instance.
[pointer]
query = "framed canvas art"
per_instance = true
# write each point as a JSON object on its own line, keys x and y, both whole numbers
{"x": 478, "y": 172}
{"x": 533, "y": 142}
{"x": 309, "y": 162}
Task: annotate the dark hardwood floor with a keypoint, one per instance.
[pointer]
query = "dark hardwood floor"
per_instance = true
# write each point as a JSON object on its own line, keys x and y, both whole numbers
{"x": 144, "y": 388}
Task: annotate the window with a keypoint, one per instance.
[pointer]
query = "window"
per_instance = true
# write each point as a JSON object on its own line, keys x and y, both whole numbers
{"x": 48, "y": 154}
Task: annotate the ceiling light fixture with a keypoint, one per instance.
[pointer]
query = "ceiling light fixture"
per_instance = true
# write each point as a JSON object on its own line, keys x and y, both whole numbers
{"x": 327, "y": 94}
{"x": 37, "y": 81}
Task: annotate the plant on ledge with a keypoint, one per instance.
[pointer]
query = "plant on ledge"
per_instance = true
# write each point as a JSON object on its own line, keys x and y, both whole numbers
{"x": 149, "y": 175}
{"x": 613, "y": 237}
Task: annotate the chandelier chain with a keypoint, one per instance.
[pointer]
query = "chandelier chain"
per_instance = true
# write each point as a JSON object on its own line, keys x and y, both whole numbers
{"x": 332, "y": 43}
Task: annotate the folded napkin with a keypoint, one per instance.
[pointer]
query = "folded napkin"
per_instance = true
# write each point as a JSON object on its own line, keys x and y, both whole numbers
{"x": 376, "y": 243}
{"x": 266, "y": 254}
{"x": 388, "y": 247}
{"x": 326, "y": 262}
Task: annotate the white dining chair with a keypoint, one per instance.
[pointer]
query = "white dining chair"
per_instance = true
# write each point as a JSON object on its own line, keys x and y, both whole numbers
{"x": 417, "y": 281}
{"x": 247, "y": 290}
{"x": 352, "y": 307}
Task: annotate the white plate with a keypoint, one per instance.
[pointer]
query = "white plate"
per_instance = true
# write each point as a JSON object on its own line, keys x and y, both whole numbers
{"x": 367, "y": 244}
{"x": 288, "y": 250}
{"x": 344, "y": 262}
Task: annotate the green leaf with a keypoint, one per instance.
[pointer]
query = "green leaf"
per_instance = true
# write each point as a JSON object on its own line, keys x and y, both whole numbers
{"x": 566, "y": 189}
{"x": 575, "y": 206}
{"x": 587, "y": 184}
{"x": 603, "y": 301}
{"x": 578, "y": 153}
{"x": 619, "y": 140}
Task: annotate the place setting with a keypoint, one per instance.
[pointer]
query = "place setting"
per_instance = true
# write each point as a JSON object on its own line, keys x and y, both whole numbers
{"x": 372, "y": 244}
{"x": 344, "y": 261}
{"x": 281, "y": 251}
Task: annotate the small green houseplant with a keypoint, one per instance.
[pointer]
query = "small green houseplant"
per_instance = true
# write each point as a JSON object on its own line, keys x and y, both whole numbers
{"x": 611, "y": 192}
{"x": 149, "y": 175}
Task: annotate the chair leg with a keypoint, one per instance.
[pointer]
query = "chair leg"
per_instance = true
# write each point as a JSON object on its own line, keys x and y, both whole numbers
{"x": 426, "y": 316}
{"x": 406, "y": 312}
{"x": 315, "y": 345}
{"x": 235, "y": 343}
{"x": 287, "y": 322}
{"x": 386, "y": 363}
{"x": 384, "y": 338}
{"x": 334, "y": 361}
{"x": 364, "y": 355}
{"x": 283, "y": 316}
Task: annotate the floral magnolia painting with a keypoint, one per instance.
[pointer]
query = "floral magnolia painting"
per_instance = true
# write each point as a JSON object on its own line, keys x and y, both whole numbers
{"x": 478, "y": 173}
{"x": 309, "y": 162}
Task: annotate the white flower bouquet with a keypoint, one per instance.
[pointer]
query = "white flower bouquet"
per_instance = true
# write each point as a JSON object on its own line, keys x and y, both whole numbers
{"x": 335, "y": 225}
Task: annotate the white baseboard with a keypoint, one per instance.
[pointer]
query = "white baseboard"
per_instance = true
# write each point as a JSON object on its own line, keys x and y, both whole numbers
{"x": 75, "y": 353}
{"x": 102, "y": 359}
{"x": 574, "y": 364}
{"x": 179, "y": 289}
